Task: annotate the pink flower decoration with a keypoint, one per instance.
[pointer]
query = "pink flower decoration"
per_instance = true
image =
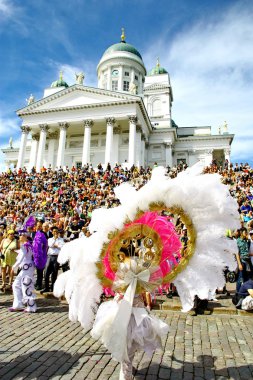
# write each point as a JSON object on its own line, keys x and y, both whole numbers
{"x": 170, "y": 255}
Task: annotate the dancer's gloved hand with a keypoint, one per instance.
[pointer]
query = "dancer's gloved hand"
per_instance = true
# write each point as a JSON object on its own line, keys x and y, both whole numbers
{"x": 118, "y": 297}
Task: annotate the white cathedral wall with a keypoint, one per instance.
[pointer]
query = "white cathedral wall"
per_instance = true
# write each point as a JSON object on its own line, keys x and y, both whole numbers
{"x": 158, "y": 105}
{"x": 156, "y": 153}
{"x": 121, "y": 61}
{"x": 123, "y": 155}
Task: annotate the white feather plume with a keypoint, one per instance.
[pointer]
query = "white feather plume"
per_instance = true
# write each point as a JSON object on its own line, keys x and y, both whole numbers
{"x": 80, "y": 284}
{"x": 202, "y": 196}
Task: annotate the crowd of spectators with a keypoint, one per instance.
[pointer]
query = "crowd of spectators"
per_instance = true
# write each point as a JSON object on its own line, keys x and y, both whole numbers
{"x": 65, "y": 198}
{"x": 62, "y": 199}
{"x": 239, "y": 178}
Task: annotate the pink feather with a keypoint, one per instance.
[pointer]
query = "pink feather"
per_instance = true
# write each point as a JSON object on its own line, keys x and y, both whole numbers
{"x": 170, "y": 241}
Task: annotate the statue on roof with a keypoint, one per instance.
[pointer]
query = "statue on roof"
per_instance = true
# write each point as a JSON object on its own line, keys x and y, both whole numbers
{"x": 11, "y": 142}
{"x": 80, "y": 78}
{"x": 132, "y": 88}
{"x": 225, "y": 127}
{"x": 30, "y": 100}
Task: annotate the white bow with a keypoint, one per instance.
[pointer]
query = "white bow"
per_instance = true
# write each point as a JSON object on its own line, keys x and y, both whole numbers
{"x": 117, "y": 342}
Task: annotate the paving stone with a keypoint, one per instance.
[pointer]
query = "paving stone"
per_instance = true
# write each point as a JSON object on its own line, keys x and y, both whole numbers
{"x": 47, "y": 346}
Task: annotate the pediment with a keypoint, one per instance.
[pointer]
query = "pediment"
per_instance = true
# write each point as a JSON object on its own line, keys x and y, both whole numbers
{"x": 77, "y": 96}
{"x": 157, "y": 86}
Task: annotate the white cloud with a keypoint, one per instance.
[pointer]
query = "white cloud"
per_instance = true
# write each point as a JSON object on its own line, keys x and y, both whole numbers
{"x": 242, "y": 147}
{"x": 13, "y": 17}
{"x": 9, "y": 127}
{"x": 6, "y": 8}
{"x": 211, "y": 66}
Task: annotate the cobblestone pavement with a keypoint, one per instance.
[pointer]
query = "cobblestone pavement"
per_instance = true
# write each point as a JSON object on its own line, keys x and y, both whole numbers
{"x": 46, "y": 345}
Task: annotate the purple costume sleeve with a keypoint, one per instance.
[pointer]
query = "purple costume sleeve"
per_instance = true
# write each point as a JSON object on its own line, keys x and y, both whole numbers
{"x": 29, "y": 222}
{"x": 40, "y": 250}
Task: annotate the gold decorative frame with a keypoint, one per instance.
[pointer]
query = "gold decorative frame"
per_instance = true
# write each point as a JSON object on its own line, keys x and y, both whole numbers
{"x": 117, "y": 236}
{"x": 191, "y": 233}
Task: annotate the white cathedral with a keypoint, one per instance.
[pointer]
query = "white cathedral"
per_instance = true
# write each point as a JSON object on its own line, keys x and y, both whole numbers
{"x": 127, "y": 119}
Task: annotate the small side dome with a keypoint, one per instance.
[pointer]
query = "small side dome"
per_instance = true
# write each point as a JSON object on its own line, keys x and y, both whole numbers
{"x": 60, "y": 82}
{"x": 157, "y": 69}
{"x": 173, "y": 124}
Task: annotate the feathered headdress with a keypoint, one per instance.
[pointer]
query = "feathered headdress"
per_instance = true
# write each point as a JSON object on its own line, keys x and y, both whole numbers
{"x": 138, "y": 227}
{"x": 29, "y": 222}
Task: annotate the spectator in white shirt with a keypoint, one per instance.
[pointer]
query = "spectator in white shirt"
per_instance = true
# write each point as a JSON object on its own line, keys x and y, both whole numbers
{"x": 55, "y": 244}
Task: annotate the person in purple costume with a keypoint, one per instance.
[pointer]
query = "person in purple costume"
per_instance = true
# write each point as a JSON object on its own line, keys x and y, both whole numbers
{"x": 40, "y": 247}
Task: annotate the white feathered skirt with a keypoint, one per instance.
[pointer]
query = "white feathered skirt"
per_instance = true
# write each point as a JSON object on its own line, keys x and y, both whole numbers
{"x": 144, "y": 331}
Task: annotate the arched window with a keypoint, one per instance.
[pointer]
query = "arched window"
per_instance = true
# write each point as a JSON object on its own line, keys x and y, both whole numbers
{"x": 156, "y": 107}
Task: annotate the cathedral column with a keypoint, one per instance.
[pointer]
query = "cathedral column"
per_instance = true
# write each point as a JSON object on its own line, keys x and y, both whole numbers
{"x": 110, "y": 121}
{"x": 7, "y": 165}
{"x": 34, "y": 149}
{"x": 143, "y": 147}
{"x": 116, "y": 136}
{"x": 132, "y": 75}
{"x": 21, "y": 153}
{"x": 132, "y": 140}
{"x": 42, "y": 143}
{"x": 109, "y": 77}
{"x": 140, "y": 84}
{"x": 120, "y": 82}
{"x": 168, "y": 153}
{"x": 86, "y": 142}
{"x": 227, "y": 154}
{"x": 208, "y": 157}
{"x": 62, "y": 142}
{"x": 51, "y": 149}
{"x": 138, "y": 145}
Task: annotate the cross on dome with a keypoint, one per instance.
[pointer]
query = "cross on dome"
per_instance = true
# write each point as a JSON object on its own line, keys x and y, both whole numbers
{"x": 123, "y": 37}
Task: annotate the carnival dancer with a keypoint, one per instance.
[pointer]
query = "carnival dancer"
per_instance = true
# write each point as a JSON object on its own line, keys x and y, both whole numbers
{"x": 23, "y": 286}
{"x": 125, "y": 325}
{"x": 135, "y": 249}
{"x": 40, "y": 247}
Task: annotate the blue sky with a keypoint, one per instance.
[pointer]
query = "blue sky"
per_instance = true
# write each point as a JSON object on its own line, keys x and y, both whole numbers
{"x": 206, "y": 46}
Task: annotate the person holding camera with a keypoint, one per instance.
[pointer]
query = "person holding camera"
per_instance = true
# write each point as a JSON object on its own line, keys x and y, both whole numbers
{"x": 8, "y": 247}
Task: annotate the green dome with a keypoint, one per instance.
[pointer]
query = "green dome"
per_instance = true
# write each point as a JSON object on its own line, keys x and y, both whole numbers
{"x": 122, "y": 46}
{"x": 173, "y": 124}
{"x": 60, "y": 82}
{"x": 157, "y": 69}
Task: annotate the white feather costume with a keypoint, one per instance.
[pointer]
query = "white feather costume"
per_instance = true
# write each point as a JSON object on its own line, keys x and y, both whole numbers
{"x": 201, "y": 196}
